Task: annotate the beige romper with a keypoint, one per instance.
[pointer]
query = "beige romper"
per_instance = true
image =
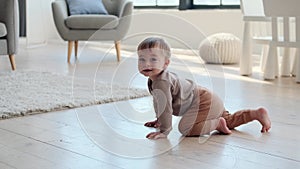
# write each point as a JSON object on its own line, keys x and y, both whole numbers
{"x": 200, "y": 109}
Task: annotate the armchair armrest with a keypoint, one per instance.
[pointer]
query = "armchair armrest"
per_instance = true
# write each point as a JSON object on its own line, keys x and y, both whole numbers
{"x": 118, "y": 8}
{"x": 60, "y": 13}
{"x": 9, "y": 15}
{"x": 125, "y": 8}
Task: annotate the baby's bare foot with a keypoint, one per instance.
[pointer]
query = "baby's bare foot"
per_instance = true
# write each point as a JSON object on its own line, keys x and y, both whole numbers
{"x": 262, "y": 116}
{"x": 222, "y": 126}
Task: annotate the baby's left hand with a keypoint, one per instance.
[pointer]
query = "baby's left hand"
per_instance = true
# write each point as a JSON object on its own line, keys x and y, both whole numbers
{"x": 156, "y": 135}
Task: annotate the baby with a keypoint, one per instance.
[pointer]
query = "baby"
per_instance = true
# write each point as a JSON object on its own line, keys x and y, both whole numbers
{"x": 202, "y": 111}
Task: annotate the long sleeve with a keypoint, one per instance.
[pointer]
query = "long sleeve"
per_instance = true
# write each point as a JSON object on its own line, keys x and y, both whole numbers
{"x": 162, "y": 100}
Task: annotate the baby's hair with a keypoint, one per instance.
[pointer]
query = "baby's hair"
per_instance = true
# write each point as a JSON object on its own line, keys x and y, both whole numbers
{"x": 156, "y": 42}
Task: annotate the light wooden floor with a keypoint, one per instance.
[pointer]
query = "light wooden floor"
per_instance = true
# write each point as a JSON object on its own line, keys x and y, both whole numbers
{"x": 113, "y": 136}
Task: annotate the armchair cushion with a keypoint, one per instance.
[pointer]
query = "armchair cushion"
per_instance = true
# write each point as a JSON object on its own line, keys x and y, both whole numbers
{"x": 92, "y": 21}
{"x": 2, "y": 30}
{"x": 78, "y": 7}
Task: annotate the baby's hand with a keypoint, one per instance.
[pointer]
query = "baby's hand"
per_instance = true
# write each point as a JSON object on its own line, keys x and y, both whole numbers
{"x": 154, "y": 124}
{"x": 156, "y": 135}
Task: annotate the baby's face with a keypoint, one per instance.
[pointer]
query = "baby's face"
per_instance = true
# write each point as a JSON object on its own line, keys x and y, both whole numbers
{"x": 151, "y": 62}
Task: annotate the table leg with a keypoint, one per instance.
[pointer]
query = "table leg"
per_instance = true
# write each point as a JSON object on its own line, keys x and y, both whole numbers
{"x": 296, "y": 65}
{"x": 286, "y": 63}
{"x": 246, "y": 58}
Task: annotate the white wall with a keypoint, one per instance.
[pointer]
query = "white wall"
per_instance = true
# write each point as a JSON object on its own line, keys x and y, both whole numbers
{"x": 189, "y": 25}
{"x": 39, "y": 22}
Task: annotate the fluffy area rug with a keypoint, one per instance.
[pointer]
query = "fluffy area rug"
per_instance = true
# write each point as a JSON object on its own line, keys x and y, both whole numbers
{"x": 30, "y": 92}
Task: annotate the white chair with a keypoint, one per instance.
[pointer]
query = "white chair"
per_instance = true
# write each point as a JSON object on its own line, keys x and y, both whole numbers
{"x": 289, "y": 12}
{"x": 254, "y": 18}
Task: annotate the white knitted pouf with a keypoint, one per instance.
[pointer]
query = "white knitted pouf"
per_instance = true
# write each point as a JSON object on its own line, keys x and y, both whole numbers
{"x": 221, "y": 48}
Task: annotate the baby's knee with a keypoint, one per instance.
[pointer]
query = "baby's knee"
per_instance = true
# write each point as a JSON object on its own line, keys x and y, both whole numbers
{"x": 184, "y": 128}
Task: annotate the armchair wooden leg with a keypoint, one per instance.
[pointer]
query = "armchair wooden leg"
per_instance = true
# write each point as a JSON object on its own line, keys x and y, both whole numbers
{"x": 70, "y": 47}
{"x": 12, "y": 62}
{"x": 118, "y": 50}
{"x": 76, "y": 48}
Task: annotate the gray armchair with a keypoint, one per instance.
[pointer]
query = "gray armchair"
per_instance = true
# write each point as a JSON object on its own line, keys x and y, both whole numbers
{"x": 9, "y": 29}
{"x": 96, "y": 27}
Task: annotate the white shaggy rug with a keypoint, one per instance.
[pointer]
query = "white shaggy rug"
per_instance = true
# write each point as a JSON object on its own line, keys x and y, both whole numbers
{"x": 30, "y": 92}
